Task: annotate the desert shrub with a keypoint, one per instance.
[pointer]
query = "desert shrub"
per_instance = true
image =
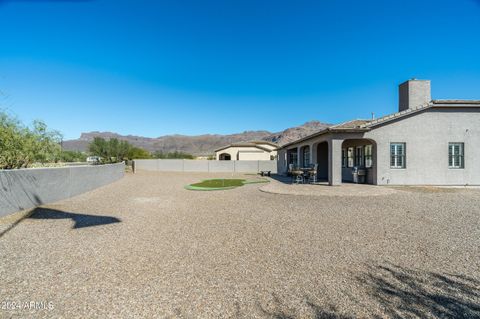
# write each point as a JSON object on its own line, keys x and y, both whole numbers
{"x": 20, "y": 146}
{"x": 72, "y": 156}
{"x": 172, "y": 155}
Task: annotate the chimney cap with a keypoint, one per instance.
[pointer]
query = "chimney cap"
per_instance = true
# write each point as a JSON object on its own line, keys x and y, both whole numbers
{"x": 413, "y": 80}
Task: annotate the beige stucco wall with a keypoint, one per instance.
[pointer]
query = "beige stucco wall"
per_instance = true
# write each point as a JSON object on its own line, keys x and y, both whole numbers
{"x": 247, "y": 153}
{"x": 427, "y": 135}
{"x": 253, "y": 156}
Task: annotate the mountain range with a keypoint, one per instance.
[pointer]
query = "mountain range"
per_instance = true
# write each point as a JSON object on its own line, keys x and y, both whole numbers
{"x": 200, "y": 144}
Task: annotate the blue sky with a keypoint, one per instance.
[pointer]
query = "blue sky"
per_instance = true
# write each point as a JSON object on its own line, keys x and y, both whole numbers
{"x": 193, "y": 67}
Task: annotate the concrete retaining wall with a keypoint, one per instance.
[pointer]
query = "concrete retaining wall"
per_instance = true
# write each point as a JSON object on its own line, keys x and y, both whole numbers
{"x": 27, "y": 188}
{"x": 205, "y": 166}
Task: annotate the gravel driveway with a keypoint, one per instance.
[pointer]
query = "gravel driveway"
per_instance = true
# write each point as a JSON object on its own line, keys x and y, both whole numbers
{"x": 144, "y": 247}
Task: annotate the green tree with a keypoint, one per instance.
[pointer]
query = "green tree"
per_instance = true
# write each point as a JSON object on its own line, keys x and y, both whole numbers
{"x": 21, "y": 146}
{"x": 115, "y": 150}
{"x": 138, "y": 153}
{"x": 99, "y": 147}
{"x": 45, "y": 143}
{"x": 72, "y": 156}
{"x": 158, "y": 154}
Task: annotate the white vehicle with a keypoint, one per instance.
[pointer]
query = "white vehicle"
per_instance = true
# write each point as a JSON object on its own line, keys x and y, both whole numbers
{"x": 94, "y": 159}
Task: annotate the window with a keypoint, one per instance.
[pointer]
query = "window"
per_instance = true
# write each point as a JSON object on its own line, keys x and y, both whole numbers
{"x": 397, "y": 155}
{"x": 359, "y": 156}
{"x": 306, "y": 156}
{"x": 350, "y": 157}
{"x": 368, "y": 151}
{"x": 292, "y": 158}
{"x": 455, "y": 155}
{"x": 344, "y": 157}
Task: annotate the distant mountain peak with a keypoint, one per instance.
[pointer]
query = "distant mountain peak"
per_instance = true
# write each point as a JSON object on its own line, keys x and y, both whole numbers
{"x": 199, "y": 144}
{"x": 297, "y": 132}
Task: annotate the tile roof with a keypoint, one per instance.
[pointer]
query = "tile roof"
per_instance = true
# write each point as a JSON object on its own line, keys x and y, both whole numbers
{"x": 350, "y": 124}
{"x": 257, "y": 144}
{"x": 365, "y": 125}
{"x": 432, "y": 104}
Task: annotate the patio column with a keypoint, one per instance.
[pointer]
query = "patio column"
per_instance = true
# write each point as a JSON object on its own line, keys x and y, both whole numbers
{"x": 335, "y": 162}
{"x": 299, "y": 153}
{"x": 374, "y": 163}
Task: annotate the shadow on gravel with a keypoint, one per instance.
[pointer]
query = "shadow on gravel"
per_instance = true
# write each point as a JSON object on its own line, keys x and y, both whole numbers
{"x": 316, "y": 311}
{"x": 399, "y": 292}
{"x": 328, "y": 312}
{"x": 406, "y": 293}
{"x": 81, "y": 220}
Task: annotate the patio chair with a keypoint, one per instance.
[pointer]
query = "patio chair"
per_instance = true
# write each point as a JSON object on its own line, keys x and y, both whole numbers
{"x": 297, "y": 177}
{"x": 312, "y": 174}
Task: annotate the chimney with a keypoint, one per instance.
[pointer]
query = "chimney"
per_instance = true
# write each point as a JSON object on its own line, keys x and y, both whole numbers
{"x": 413, "y": 94}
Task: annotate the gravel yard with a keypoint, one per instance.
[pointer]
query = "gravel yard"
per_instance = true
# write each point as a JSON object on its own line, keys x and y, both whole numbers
{"x": 145, "y": 247}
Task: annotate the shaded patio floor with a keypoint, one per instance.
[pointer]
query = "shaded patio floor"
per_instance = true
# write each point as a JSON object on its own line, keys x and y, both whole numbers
{"x": 283, "y": 185}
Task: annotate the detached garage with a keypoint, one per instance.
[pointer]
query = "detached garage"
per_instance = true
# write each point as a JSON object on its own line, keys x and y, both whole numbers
{"x": 248, "y": 151}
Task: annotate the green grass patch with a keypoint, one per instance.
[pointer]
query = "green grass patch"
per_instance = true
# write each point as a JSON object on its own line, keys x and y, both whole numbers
{"x": 222, "y": 184}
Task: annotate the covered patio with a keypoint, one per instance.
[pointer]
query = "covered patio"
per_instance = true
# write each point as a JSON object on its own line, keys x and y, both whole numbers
{"x": 335, "y": 156}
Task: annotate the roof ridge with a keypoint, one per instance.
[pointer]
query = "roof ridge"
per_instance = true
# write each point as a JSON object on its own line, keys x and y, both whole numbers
{"x": 398, "y": 114}
{"x": 249, "y": 143}
{"x": 456, "y": 101}
{"x": 343, "y": 123}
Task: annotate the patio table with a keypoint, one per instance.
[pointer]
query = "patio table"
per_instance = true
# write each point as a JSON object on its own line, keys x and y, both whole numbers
{"x": 306, "y": 172}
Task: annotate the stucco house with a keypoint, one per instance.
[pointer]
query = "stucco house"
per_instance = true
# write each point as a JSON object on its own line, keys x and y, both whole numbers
{"x": 248, "y": 151}
{"x": 427, "y": 142}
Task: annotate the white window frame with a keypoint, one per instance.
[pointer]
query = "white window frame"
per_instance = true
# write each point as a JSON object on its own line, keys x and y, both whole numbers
{"x": 359, "y": 159}
{"x": 456, "y": 161}
{"x": 395, "y": 156}
{"x": 368, "y": 156}
{"x": 293, "y": 158}
{"x": 350, "y": 157}
{"x": 306, "y": 156}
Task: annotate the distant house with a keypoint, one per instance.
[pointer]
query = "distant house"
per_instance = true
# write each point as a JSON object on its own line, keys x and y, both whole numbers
{"x": 427, "y": 142}
{"x": 248, "y": 151}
